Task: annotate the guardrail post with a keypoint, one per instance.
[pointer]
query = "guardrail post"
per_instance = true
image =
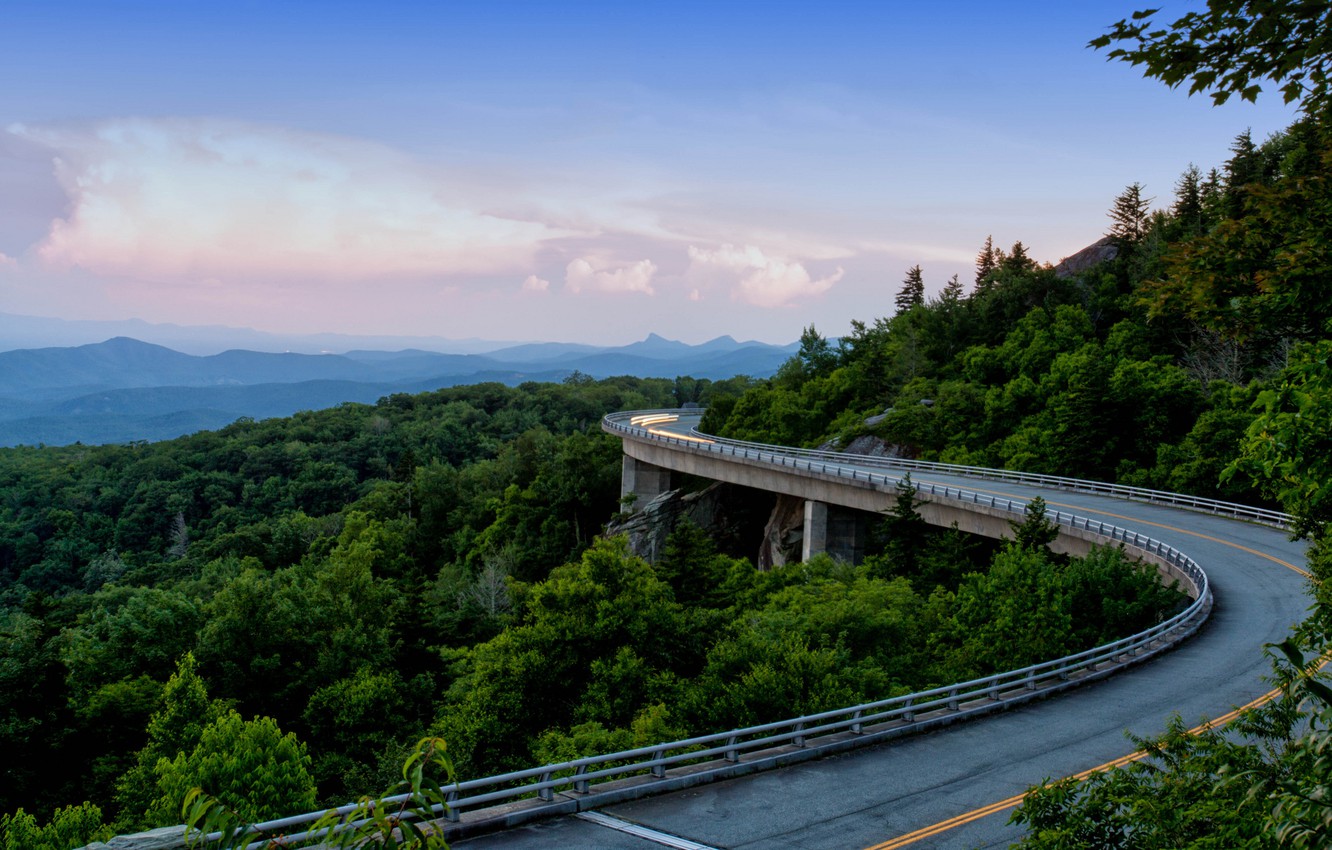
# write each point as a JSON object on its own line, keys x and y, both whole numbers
{"x": 1031, "y": 681}
{"x": 451, "y": 813}
{"x": 732, "y": 755}
{"x": 546, "y": 793}
{"x": 659, "y": 769}
{"x": 799, "y": 740}
{"x": 580, "y": 785}
{"x": 952, "y": 700}
{"x": 908, "y": 715}
{"x": 857, "y": 727}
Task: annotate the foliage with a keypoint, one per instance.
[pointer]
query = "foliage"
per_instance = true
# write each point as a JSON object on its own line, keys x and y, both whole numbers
{"x": 912, "y": 293}
{"x": 70, "y": 827}
{"x": 1233, "y": 46}
{"x": 1129, "y": 215}
{"x": 399, "y": 819}
{"x": 249, "y": 765}
{"x": 1260, "y": 783}
{"x": 1288, "y": 447}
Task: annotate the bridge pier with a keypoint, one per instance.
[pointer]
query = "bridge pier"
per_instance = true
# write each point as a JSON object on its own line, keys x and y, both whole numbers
{"x": 839, "y": 532}
{"x": 642, "y": 479}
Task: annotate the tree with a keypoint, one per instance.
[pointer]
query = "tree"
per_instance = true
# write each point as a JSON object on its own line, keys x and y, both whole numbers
{"x": 174, "y": 729}
{"x": 1129, "y": 215}
{"x": 1035, "y": 532}
{"x": 1016, "y": 260}
{"x": 1260, "y": 273}
{"x": 71, "y": 826}
{"x": 952, "y": 292}
{"x": 1188, "y": 206}
{"x": 986, "y": 262}
{"x": 912, "y": 292}
{"x": 1288, "y": 446}
{"x": 1233, "y": 46}
{"x": 249, "y": 765}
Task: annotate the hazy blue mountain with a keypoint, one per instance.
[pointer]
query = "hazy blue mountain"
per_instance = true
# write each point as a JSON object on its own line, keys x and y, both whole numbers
{"x": 125, "y": 389}
{"x": 17, "y": 331}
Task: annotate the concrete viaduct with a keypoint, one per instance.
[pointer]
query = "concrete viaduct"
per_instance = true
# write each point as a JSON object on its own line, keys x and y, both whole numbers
{"x": 651, "y": 465}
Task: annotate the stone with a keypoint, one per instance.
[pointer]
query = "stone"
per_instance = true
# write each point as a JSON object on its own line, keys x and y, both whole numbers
{"x": 1100, "y": 251}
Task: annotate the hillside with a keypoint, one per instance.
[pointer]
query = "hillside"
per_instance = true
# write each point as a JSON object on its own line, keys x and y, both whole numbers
{"x": 123, "y": 390}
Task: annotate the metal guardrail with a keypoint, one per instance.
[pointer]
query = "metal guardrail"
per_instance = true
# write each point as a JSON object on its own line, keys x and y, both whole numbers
{"x": 865, "y": 723}
{"x": 781, "y": 455}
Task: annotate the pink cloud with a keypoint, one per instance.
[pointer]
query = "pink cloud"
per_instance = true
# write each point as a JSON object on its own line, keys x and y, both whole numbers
{"x": 758, "y": 279}
{"x": 582, "y": 275}
{"x": 202, "y": 198}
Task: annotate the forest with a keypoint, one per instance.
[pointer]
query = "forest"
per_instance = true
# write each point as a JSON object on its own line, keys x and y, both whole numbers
{"x": 287, "y": 605}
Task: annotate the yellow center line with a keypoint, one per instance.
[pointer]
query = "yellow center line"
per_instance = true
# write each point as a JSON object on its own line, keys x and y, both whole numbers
{"x": 1174, "y": 528}
{"x": 1012, "y": 802}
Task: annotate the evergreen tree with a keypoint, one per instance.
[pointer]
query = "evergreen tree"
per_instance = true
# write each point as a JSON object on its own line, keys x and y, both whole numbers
{"x": 952, "y": 291}
{"x": 1035, "y": 532}
{"x": 1209, "y": 194}
{"x": 1016, "y": 260}
{"x": 986, "y": 262}
{"x": 912, "y": 292}
{"x": 1188, "y": 207}
{"x": 1243, "y": 168}
{"x": 1129, "y": 215}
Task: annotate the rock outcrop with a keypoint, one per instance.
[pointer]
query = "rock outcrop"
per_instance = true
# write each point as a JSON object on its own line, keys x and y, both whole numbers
{"x": 1100, "y": 251}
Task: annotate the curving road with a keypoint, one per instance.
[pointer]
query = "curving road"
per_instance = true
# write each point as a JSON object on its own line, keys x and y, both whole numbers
{"x": 936, "y": 790}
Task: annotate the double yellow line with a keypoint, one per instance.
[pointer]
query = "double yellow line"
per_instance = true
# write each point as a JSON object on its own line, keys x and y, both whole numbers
{"x": 1012, "y": 802}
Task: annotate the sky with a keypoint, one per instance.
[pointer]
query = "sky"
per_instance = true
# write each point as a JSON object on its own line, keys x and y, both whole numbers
{"x": 572, "y": 171}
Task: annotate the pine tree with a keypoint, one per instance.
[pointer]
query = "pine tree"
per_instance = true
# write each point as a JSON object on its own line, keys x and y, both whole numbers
{"x": 1016, "y": 260}
{"x": 952, "y": 291}
{"x": 1209, "y": 194}
{"x": 986, "y": 263}
{"x": 1129, "y": 215}
{"x": 1188, "y": 207}
{"x": 1243, "y": 167}
{"x": 912, "y": 292}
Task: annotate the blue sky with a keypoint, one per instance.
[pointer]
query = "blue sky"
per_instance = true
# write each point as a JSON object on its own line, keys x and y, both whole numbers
{"x": 576, "y": 171}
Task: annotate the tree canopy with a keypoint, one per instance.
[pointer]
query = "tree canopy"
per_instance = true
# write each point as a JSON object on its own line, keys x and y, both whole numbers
{"x": 1232, "y": 47}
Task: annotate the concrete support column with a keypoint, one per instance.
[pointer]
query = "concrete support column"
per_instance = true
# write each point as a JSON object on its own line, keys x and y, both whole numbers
{"x": 816, "y": 530}
{"x": 643, "y": 480}
{"x": 837, "y": 531}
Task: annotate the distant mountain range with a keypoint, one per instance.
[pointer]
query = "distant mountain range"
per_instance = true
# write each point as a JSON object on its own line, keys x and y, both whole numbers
{"x": 124, "y": 389}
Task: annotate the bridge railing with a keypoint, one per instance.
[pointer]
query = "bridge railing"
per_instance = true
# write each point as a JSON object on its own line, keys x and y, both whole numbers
{"x": 811, "y": 458}
{"x": 841, "y": 728}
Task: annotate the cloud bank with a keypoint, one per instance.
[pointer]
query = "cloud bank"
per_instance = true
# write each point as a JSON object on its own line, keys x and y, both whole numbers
{"x": 763, "y": 280}
{"x": 207, "y": 198}
{"x": 586, "y": 274}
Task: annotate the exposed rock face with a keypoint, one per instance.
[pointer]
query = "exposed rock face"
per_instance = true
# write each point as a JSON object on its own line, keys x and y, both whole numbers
{"x": 731, "y": 516}
{"x": 783, "y": 534}
{"x": 1098, "y": 252}
{"x": 874, "y": 447}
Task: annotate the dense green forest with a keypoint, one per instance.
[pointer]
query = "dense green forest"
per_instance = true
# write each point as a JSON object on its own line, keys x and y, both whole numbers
{"x": 293, "y": 602}
{"x": 286, "y": 605}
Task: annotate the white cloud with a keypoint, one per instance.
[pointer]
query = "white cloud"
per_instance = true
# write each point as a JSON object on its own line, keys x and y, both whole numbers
{"x": 586, "y": 274}
{"x": 535, "y": 284}
{"x": 193, "y": 198}
{"x": 7, "y": 261}
{"x": 759, "y": 279}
